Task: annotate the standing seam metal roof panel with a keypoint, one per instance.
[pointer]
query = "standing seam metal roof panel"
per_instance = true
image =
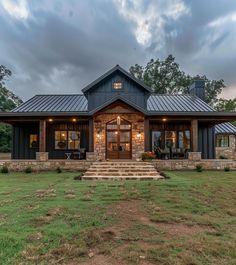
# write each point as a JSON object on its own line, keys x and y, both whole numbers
{"x": 77, "y": 103}
{"x": 54, "y": 103}
{"x": 225, "y": 128}
{"x": 177, "y": 103}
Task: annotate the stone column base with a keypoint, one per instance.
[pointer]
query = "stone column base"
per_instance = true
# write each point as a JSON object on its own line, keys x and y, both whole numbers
{"x": 195, "y": 156}
{"x": 91, "y": 156}
{"x": 42, "y": 156}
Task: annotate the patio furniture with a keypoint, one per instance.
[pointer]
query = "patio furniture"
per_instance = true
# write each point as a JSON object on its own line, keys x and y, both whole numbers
{"x": 68, "y": 155}
{"x": 80, "y": 154}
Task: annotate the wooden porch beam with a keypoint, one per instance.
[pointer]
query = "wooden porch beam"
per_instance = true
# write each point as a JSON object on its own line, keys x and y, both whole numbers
{"x": 42, "y": 136}
{"x": 91, "y": 136}
{"x": 194, "y": 135}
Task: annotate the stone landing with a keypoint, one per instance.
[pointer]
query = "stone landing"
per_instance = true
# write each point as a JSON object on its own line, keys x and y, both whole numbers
{"x": 120, "y": 170}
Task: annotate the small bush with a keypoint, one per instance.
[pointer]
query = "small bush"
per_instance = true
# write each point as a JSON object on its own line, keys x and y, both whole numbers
{"x": 58, "y": 170}
{"x": 148, "y": 156}
{"x": 222, "y": 157}
{"x": 4, "y": 170}
{"x": 227, "y": 169}
{"x": 163, "y": 174}
{"x": 199, "y": 168}
{"x": 28, "y": 170}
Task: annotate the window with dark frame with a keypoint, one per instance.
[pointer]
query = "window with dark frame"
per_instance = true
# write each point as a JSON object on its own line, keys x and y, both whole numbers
{"x": 67, "y": 140}
{"x": 117, "y": 85}
{"x": 34, "y": 141}
{"x": 222, "y": 140}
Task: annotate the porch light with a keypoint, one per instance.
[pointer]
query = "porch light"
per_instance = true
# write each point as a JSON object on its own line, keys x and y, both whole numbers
{"x": 74, "y": 120}
{"x": 116, "y": 132}
{"x": 98, "y": 134}
{"x": 139, "y": 134}
{"x": 50, "y": 120}
{"x": 164, "y": 119}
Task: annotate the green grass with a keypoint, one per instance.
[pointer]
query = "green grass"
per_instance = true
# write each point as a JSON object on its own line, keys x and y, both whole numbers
{"x": 51, "y": 218}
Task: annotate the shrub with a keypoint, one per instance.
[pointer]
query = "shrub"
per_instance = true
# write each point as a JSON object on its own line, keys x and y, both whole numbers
{"x": 28, "y": 170}
{"x": 148, "y": 156}
{"x": 163, "y": 174}
{"x": 227, "y": 169}
{"x": 222, "y": 157}
{"x": 4, "y": 170}
{"x": 199, "y": 168}
{"x": 58, "y": 170}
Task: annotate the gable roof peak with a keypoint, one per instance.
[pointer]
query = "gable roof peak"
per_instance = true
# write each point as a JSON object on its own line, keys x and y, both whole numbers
{"x": 111, "y": 71}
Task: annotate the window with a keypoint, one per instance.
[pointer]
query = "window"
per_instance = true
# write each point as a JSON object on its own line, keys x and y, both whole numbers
{"x": 74, "y": 140}
{"x": 170, "y": 139}
{"x": 117, "y": 85}
{"x": 184, "y": 139}
{"x": 34, "y": 142}
{"x": 67, "y": 140}
{"x": 222, "y": 140}
{"x": 156, "y": 140}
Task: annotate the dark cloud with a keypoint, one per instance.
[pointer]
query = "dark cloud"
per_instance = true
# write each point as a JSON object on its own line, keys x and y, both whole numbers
{"x": 64, "y": 45}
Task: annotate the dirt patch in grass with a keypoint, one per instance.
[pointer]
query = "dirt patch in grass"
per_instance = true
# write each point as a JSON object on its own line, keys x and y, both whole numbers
{"x": 127, "y": 212}
{"x": 51, "y": 214}
{"x": 70, "y": 194}
{"x": 36, "y": 236}
{"x": 101, "y": 260}
{"x": 46, "y": 193}
{"x": 177, "y": 229}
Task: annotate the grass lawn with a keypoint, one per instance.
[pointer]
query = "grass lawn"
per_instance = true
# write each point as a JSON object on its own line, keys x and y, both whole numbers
{"x": 51, "y": 218}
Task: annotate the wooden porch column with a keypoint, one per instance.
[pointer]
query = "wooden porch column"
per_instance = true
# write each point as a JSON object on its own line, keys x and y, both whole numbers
{"x": 91, "y": 135}
{"x": 42, "y": 136}
{"x": 194, "y": 135}
{"x": 147, "y": 135}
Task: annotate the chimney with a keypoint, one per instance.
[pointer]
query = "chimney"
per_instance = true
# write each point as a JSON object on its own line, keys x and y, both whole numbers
{"x": 198, "y": 88}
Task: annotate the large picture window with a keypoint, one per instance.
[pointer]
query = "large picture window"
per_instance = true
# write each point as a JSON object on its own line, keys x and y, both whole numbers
{"x": 222, "y": 140}
{"x": 67, "y": 140}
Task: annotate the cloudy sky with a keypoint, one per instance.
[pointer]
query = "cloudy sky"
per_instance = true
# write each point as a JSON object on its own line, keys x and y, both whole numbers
{"x": 59, "y": 46}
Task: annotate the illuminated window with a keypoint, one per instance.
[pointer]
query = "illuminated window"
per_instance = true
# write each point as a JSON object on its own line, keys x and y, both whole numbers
{"x": 34, "y": 143}
{"x": 117, "y": 85}
{"x": 69, "y": 140}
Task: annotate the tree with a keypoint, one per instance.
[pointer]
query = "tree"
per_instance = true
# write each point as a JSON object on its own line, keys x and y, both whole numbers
{"x": 165, "y": 77}
{"x": 8, "y": 101}
{"x": 226, "y": 105}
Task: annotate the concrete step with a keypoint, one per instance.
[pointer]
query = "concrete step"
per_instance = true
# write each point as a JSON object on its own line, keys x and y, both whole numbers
{"x": 122, "y": 170}
{"x": 121, "y": 173}
{"x": 122, "y": 177}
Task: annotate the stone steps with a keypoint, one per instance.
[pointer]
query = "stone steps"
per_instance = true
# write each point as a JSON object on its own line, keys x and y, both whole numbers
{"x": 122, "y": 170}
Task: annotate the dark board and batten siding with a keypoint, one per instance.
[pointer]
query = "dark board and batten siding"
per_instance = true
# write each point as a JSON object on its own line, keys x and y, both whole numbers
{"x": 104, "y": 91}
{"x": 21, "y": 140}
{"x": 206, "y": 141}
{"x": 83, "y": 127}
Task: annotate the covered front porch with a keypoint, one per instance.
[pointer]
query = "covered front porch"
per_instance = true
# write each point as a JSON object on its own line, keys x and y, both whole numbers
{"x": 117, "y": 132}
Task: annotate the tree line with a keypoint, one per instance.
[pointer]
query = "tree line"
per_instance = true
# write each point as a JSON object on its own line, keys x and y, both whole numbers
{"x": 163, "y": 76}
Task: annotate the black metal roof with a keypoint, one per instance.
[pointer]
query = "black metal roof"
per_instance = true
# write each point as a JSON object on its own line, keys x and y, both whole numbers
{"x": 177, "y": 103}
{"x": 79, "y": 103}
{"x": 225, "y": 128}
{"x": 54, "y": 103}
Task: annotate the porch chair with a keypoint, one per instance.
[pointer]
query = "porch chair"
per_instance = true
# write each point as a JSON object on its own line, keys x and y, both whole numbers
{"x": 80, "y": 154}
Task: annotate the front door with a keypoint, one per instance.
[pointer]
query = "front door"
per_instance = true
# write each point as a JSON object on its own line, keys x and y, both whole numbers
{"x": 118, "y": 139}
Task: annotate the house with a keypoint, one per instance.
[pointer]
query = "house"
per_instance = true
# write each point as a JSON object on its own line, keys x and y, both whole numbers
{"x": 116, "y": 117}
{"x": 225, "y": 140}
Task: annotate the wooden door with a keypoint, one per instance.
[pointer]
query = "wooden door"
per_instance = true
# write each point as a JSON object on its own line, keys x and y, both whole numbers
{"x": 118, "y": 139}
